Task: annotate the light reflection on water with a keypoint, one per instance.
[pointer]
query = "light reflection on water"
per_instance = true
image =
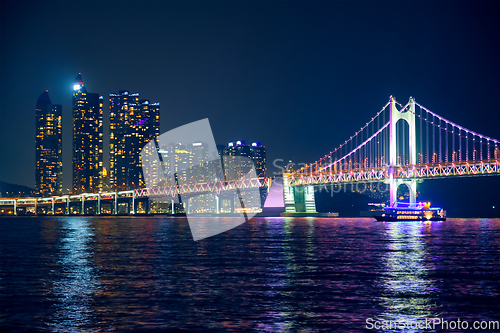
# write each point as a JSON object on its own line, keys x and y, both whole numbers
{"x": 77, "y": 283}
{"x": 409, "y": 292}
{"x": 285, "y": 281}
{"x": 270, "y": 274}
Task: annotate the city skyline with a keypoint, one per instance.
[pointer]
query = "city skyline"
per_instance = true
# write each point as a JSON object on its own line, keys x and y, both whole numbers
{"x": 301, "y": 77}
{"x": 239, "y": 165}
{"x": 133, "y": 122}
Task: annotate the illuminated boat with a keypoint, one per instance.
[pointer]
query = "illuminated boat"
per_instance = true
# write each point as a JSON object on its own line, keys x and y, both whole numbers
{"x": 421, "y": 211}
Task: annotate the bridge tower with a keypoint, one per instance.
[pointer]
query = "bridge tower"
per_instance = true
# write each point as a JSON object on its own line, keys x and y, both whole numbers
{"x": 298, "y": 199}
{"x": 409, "y": 117}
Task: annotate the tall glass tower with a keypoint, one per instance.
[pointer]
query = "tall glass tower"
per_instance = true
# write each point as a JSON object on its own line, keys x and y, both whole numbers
{"x": 87, "y": 139}
{"x": 133, "y": 123}
{"x": 48, "y": 175}
{"x": 237, "y": 168}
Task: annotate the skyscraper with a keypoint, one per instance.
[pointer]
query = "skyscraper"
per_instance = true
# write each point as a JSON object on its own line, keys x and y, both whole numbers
{"x": 48, "y": 176}
{"x": 186, "y": 163}
{"x": 237, "y": 168}
{"x": 133, "y": 123}
{"x": 87, "y": 139}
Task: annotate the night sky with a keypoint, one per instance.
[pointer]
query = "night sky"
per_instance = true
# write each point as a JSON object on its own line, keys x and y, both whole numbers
{"x": 301, "y": 77}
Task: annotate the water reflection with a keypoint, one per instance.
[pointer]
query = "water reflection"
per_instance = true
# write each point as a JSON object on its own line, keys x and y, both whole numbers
{"x": 279, "y": 276}
{"x": 76, "y": 283}
{"x": 268, "y": 275}
{"x": 408, "y": 294}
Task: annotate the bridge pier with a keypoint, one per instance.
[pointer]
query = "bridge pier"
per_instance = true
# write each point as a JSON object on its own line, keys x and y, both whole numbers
{"x": 298, "y": 199}
{"x": 61, "y": 205}
{"x": 106, "y": 207}
{"x": 124, "y": 206}
{"x": 161, "y": 206}
{"x": 141, "y": 206}
{"x": 90, "y": 207}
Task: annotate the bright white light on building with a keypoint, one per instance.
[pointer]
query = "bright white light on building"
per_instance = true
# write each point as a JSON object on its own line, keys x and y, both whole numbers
{"x": 76, "y": 87}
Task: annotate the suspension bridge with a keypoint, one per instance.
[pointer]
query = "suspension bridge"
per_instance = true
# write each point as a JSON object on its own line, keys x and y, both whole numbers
{"x": 397, "y": 147}
{"x": 400, "y": 145}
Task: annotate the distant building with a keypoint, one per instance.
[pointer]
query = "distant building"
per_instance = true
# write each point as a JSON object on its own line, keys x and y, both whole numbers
{"x": 187, "y": 163}
{"x": 87, "y": 139}
{"x": 238, "y": 168}
{"x": 133, "y": 123}
{"x": 48, "y": 175}
{"x": 191, "y": 163}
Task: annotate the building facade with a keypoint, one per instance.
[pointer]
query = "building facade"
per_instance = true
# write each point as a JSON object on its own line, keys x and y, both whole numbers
{"x": 238, "y": 168}
{"x": 48, "y": 174}
{"x": 133, "y": 123}
{"x": 187, "y": 164}
{"x": 87, "y": 139}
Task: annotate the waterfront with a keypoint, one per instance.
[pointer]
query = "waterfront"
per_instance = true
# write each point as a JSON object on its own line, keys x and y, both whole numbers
{"x": 87, "y": 274}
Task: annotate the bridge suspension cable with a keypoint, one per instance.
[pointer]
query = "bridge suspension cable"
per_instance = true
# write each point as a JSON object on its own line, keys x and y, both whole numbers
{"x": 481, "y": 147}
{"x": 434, "y": 140}
{"x": 343, "y": 160}
{"x": 366, "y": 157}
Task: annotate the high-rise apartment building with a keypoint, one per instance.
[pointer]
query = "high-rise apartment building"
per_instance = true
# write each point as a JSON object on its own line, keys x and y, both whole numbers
{"x": 87, "y": 139}
{"x": 133, "y": 123}
{"x": 48, "y": 176}
{"x": 237, "y": 168}
{"x": 187, "y": 164}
